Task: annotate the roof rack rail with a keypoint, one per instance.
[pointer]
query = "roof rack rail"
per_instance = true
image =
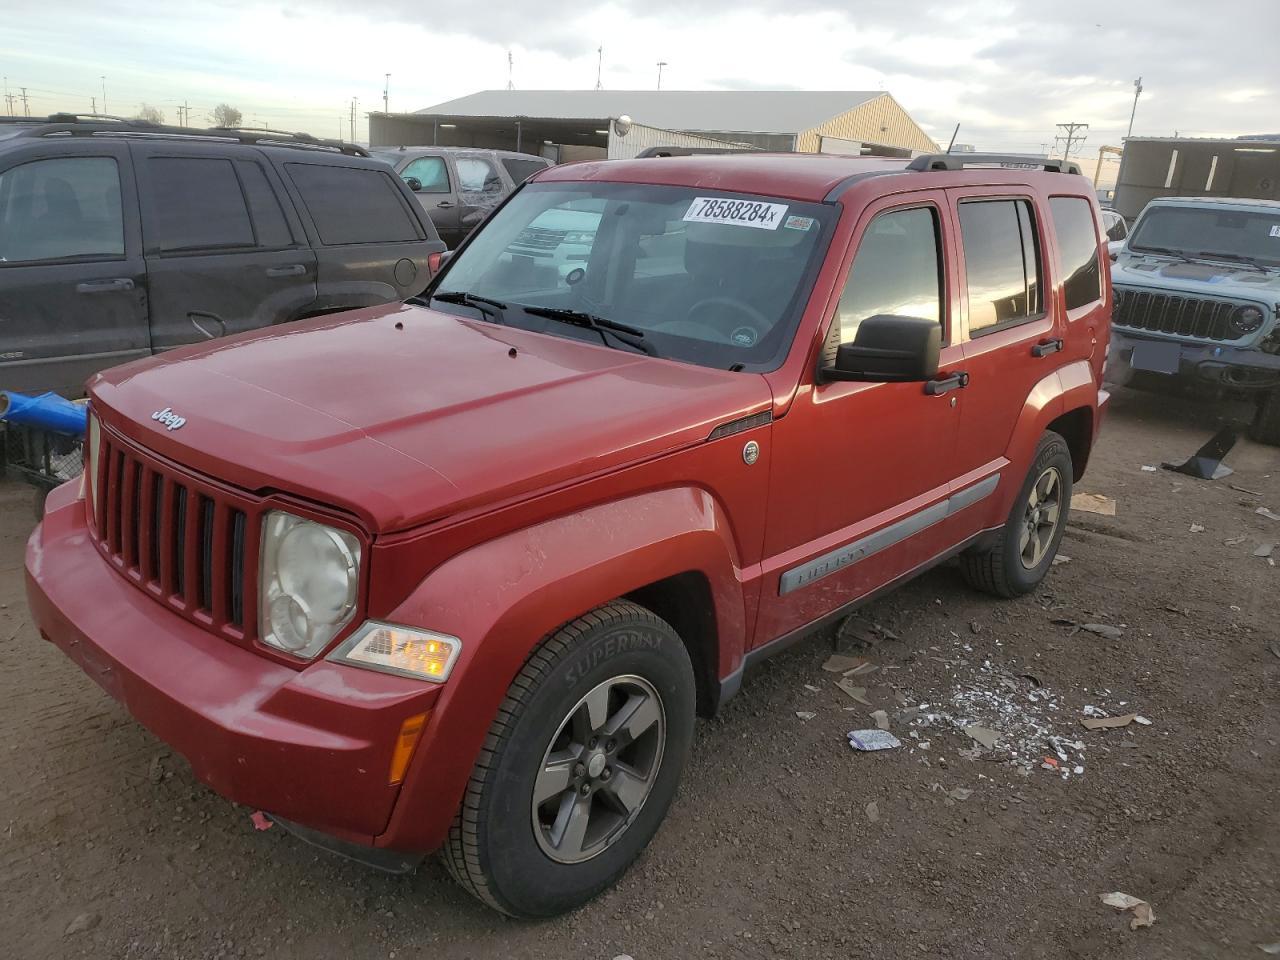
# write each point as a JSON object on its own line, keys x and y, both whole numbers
{"x": 650, "y": 152}
{"x": 92, "y": 124}
{"x": 958, "y": 161}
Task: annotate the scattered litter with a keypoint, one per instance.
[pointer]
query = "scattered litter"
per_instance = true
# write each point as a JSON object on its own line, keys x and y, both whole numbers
{"x": 1252, "y": 493}
{"x": 1235, "y": 540}
{"x": 1137, "y": 718}
{"x": 82, "y": 922}
{"x": 869, "y": 740}
{"x": 811, "y": 688}
{"x": 1271, "y": 948}
{"x": 1197, "y": 528}
{"x": 260, "y": 820}
{"x": 881, "y": 719}
{"x": 988, "y": 738}
{"x": 1050, "y": 763}
{"x": 1031, "y": 678}
{"x": 1269, "y": 514}
{"x": 1143, "y": 915}
{"x": 1108, "y": 723}
{"x": 1265, "y": 550}
{"x": 857, "y": 693}
{"x": 1274, "y": 647}
{"x": 975, "y": 627}
{"x": 1206, "y": 463}
{"x": 839, "y": 663}
{"x": 1146, "y": 468}
{"x": 805, "y": 715}
{"x": 960, "y": 794}
{"x": 873, "y": 812}
{"x": 1103, "y": 630}
{"x": 1093, "y": 503}
{"x": 1061, "y": 558}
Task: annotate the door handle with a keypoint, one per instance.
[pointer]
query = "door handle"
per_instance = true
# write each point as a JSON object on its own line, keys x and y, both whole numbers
{"x": 955, "y": 381}
{"x": 443, "y": 205}
{"x": 118, "y": 285}
{"x": 210, "y": 326}
{"x": 1046, "y": 347}
{"x": 292, "y": 270}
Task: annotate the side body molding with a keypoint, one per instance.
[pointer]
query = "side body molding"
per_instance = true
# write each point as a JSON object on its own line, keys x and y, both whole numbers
{"x": 502, "y": 597}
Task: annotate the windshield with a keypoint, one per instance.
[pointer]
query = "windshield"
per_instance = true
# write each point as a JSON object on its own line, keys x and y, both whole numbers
{"x": 1205, "y": 231}
{"x": 707, "y": 277}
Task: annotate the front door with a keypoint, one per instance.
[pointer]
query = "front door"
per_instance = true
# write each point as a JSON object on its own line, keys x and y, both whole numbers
{"x": 73, "y": 297}
{"x": 222, "y": 255}
{"x": 437, "y": 196}
{"x": 861, "y": 472}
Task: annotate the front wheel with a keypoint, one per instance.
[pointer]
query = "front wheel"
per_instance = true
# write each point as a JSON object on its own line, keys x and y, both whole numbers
{"x": 1266, "y": 421}
{"x": 1025, "y": 547}
{"x": 580, "y": 764}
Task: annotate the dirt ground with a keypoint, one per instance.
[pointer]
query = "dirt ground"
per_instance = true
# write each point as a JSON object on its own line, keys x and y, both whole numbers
{"x": 770, "y": 849}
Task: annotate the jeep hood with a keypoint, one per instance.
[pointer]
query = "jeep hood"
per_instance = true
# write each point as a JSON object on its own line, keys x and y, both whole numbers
{"x": 402, "y": 415}
{"x": 1210, "y": 278}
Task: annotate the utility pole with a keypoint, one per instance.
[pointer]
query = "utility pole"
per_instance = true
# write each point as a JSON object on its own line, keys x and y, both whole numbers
{"x": 1137, "y": 92}
{"x": 93, "y": 104}
{"x": 599, "y": 65}
{"x": 1070, "y": 137}
{"x": 386, "y": 95}
{"x": 104, "y": 93}
{"x": 354, "y": 101}
{"x": 661, "y": 64}
{"x": 186, "y": 113}
{"x": 511, "y": 84}
{"x": 26, "y": 110}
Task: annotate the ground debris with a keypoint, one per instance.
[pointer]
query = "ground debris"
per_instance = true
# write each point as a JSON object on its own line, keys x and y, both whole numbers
{"x": 805, "y": 715}
{"x": 857, "y": 693}
{"x": 1094, "y": 503}
{"x": 82, "y": 922}
{"x": 1100, "y": 629}
{"x": 881, "y": 719}
{"x": 840, "y": 663}
{"x": 871, "y": 740}
{"x": 873, "y": 812}
{"x": 1143, "y": 915}
{"x": 1269, "y": 514}
{"x": 1265, "y": 550}
{"x": 1110, "y": 723}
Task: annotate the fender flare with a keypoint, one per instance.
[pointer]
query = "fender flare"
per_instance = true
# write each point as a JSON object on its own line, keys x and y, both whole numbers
{"x": 502, "y": 597}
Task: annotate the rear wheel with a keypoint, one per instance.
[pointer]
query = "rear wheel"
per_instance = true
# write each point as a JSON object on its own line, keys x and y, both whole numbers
{"x": 1266, "y": 421}
{"x": 580, "y": 764}
{"x": 1025, "y": 547}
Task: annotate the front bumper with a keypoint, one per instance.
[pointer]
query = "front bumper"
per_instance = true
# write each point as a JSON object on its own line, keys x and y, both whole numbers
{"x": 1213, "y": 362}
{"x": 311, "y": 745}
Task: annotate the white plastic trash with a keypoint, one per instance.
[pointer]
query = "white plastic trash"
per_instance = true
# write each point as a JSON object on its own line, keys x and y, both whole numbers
{"x": 873, "y": 740}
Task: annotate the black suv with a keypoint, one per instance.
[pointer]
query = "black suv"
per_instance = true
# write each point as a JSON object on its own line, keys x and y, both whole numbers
{"x": 120, "y": 238}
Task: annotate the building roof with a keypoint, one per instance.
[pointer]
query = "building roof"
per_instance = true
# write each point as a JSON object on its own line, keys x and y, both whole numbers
{"x": 743, "y": 111}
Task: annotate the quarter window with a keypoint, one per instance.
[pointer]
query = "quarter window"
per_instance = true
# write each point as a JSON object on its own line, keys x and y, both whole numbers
{"x": 1078, "y": 240}
{"x": 196, "y": 204}
{"x": 897, "y": 271}
{"x": 1002, "y": 262}
{"x": 522, "y": 170}
{"x": 430, "y": 172}
{"x": 353, "y": 205}
{"x": 61, "y": 209}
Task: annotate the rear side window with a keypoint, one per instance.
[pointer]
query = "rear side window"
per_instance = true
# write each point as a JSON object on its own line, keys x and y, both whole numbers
{"x": 1002, "y": 262}
{"x": 61, "y": 209}
{"x": 196, "y": 204}
{"x": 352, "y": 205}
{"x": 1078, "y": 241}
{"x": 268, "y": 219}
{"x": 430, "y": 172}
{"x": 521, "y": 170}
{"x": 477, "y": 175}
{"x": 897, "y": 271}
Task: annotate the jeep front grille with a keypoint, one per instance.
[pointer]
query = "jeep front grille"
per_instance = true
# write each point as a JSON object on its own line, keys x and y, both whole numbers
{"x": 190, "y": 543}
{"x": 1167, "y": 313}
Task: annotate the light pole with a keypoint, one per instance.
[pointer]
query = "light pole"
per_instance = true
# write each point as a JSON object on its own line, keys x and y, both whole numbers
{"x": 386, "y": 94}
{"x": 661, "y": 64}
{"x": 1137, "y": 92}
{"x": 104, "y": 93}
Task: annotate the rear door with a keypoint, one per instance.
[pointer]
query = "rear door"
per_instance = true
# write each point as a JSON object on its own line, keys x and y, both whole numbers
{"x": 437, "y": 194}
{"x": 371, "y": 240}
{"x": 73, "y": 297}
{"x": 480, "y": 187}
{"x": 223, "y": 254}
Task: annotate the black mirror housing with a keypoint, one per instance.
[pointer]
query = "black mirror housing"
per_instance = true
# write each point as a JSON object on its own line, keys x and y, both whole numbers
{"x": 414, "y": 184}
{"x": 891, "y": 349}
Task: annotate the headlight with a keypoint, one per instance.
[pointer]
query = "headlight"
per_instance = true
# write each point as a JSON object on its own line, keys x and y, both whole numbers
{"x": 89, "y": 479}
{"x": 310, "y": 574}
{"x": 579, "y": 238}
{"x": 420, "y": 654}
{"x": 1246, "y": 319}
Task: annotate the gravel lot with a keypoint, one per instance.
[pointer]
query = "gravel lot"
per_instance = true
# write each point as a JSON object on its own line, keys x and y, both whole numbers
{"x": 770, "y": 850}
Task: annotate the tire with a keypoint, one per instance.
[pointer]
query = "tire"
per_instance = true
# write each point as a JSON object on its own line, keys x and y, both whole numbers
{"x": 527, "y": 860}
{"x": 1012, "y": 566}
{"x": 1266, "y": 421}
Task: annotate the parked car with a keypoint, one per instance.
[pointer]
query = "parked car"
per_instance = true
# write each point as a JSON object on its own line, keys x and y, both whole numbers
{"x": 119, "y": 239}
{"x": 458, "y": 186}
{"x": 460, "y": 573}
{"x": 1198, "y": 300}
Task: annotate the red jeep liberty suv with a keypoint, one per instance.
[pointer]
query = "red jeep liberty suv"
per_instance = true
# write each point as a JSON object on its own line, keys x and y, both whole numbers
{"x": 459, "y": 573}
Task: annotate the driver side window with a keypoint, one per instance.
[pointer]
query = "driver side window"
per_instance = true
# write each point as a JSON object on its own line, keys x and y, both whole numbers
{"x": 897, "y": 270}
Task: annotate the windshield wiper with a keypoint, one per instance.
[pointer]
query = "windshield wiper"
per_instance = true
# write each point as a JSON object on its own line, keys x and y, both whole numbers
{"x": 490, "y": 308}
{"x": 629, "y": 335}
{"x": 1239, "y": 258}
{"x": 1164, "y": 252}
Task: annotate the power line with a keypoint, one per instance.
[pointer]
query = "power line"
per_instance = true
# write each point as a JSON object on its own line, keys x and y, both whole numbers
{"x": 1070, "y": 137}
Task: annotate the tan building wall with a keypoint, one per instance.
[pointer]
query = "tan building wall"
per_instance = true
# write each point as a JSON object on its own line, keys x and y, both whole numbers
{"x": 880, "y": 120}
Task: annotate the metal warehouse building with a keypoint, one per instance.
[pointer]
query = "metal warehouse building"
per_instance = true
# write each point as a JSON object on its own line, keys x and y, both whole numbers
{"x": 591, "y": 124}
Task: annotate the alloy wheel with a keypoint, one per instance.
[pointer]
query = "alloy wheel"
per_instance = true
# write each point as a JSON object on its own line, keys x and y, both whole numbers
{"x": 1040, "y": 520}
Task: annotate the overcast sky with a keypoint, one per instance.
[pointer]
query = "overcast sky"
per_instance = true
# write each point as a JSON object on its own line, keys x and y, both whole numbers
{"x": 1006, "y": 71}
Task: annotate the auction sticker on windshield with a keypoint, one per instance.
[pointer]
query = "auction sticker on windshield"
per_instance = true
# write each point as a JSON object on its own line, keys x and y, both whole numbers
{"x": 742, "y": 213}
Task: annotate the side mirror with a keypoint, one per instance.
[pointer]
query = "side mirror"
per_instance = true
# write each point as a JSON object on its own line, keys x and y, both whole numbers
{"x": 414, "y": 184}
{"x": 1114, "y": 249}
{"x": 889, "y": 348}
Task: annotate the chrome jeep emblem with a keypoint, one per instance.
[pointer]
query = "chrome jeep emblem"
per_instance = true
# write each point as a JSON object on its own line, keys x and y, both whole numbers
{"x": 169, "y": 419}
